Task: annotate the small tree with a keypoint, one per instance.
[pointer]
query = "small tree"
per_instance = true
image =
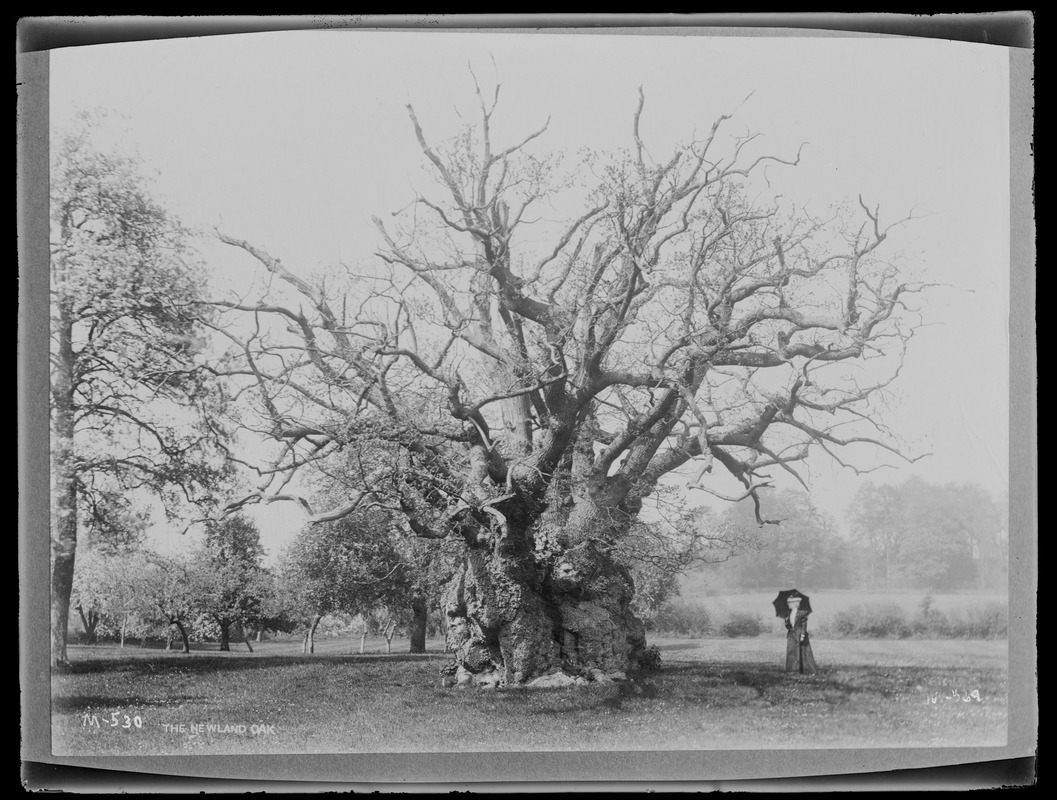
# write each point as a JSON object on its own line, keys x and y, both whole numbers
{"x": 352, "y": 565}
{"x": 113, "y": 593}
{"x": 229, "y": 579}
{"x": 174, "y": 588}
{"x": 279, "y": 605}
{"x": 388, "y": 621}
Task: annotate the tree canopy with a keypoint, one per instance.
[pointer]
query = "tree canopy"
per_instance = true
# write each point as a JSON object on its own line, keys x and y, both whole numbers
{"x": 133, "y": 412}
{"x": 523, "y": 386}
{"x": 677, "y": 319}
{"x": 127, "y": 341}
{"x": 349, "y": 565}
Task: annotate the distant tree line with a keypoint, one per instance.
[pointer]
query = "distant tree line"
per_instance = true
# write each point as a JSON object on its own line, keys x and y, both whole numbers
{"x": 925, "y": 536}
{"x": 913, "y": 535}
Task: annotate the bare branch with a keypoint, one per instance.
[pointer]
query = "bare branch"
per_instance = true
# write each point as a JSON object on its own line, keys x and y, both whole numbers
{"x": 732, "y": 499}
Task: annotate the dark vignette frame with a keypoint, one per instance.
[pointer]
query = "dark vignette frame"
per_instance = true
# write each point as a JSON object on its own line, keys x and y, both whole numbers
{"x": 890, "y": 769}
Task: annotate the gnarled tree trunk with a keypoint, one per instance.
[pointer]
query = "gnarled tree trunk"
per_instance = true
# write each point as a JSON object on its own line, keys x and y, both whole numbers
{"x": 522, "y": 603}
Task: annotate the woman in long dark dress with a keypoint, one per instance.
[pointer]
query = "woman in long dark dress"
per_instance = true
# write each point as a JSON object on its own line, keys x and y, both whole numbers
{"x": 798, "y": 655}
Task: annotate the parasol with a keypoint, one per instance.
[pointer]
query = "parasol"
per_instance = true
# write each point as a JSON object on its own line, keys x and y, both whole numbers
{"x": 781, "y": 602}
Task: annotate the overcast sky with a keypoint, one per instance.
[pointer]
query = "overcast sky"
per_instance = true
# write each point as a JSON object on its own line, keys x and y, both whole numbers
{"x": 293, "y": 141}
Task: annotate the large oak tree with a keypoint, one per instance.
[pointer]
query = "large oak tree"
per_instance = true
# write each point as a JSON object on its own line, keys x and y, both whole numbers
{"x": 524, "y": 389}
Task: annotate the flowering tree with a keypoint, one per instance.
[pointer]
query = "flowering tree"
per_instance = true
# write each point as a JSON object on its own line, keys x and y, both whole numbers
{"x": 353, "y": 565}
{"x": 112, "y": 593}
{"x": 132, "y": 412}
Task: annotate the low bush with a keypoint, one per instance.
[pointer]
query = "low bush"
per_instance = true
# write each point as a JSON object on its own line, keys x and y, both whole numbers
{"x": 650, "y": 660}
{"x": 883, "y": 621}
{"x": 971, "y": 622}
{"x": 681, "y": 618}
{"x": 890, "y": 621}
{"x": 741, "y": 623}
{"x": 696, "y": 621}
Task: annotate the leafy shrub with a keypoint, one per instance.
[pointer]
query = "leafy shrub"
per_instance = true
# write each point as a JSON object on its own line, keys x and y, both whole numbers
{"x": 971, "y": 622}
{"x": 741, "y": 623}
{"x": 681, "y": 618}
{"x": 990, "y": 621}
{"x": 340, "y": 625}
{"x": 925, "y": 608}
{"x": 885, "y": 621}
{"x": 650, "y": 659}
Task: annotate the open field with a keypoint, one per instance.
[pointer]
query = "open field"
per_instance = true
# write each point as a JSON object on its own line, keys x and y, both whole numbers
{"x": 710, "y": 694}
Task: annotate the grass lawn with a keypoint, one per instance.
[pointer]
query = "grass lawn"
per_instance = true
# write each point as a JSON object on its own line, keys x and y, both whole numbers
{"x": 710, "y": 694}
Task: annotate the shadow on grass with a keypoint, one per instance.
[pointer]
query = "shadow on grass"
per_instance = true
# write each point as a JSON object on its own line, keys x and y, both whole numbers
{"x": 82, "y": 702}
{"x": 687, "y": 646}
{"x": 708, "y": 685}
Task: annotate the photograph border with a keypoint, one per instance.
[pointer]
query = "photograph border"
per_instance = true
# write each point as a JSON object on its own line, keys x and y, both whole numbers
{"x": 533, "y": 769}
